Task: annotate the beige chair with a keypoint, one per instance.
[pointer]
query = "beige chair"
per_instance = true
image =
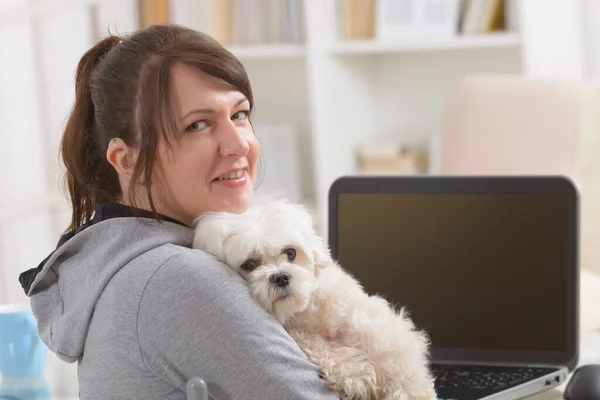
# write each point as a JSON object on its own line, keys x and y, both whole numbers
{"x": 513, "y": 125}
{"x": 499, "y": 125}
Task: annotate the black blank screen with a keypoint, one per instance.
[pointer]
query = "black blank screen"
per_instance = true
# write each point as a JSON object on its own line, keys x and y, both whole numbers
{"x": 476, "y": 271}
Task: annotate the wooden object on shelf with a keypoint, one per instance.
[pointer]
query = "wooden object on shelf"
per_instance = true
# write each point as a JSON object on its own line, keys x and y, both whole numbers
{"x": 482, "y": 16}
{"x": 387, "y": 157}
{"x": 222, "y": 20}
{"x": 153, "y": 12}
{"x": 356, "y": 19}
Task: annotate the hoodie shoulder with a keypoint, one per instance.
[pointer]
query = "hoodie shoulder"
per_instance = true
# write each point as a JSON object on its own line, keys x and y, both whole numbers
{"x": 67, "y": 287}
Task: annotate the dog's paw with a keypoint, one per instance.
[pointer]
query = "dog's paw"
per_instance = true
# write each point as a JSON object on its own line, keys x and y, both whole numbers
{"x": 412, "y": 391}
{"x": 352, "y": 378}
{"x": 427, "y": 394}
{"x": 407, "y": 384}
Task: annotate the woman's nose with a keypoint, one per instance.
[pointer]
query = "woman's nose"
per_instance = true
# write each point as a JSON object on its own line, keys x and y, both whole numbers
{"x": 233, "y": 140}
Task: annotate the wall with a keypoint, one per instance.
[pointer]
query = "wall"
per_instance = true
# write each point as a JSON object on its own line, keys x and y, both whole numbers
{"x": 591, "y": 37}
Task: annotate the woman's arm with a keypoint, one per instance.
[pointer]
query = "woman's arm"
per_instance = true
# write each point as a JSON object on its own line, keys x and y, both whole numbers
{"x": 197, "y": 318}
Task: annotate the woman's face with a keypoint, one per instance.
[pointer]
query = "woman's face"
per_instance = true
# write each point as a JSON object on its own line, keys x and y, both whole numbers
{"x": 212, "y": 164}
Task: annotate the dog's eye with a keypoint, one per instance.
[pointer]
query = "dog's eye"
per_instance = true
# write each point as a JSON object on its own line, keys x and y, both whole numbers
{"x": 249, "y": 265}
{"x": 290, "y": 253}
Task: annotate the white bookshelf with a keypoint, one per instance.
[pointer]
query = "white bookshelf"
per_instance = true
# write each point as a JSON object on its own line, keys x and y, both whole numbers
{"x": 268, "y": 52}
{"x": 502, "y": 40}
{"x": 340, "y": 93}
{"x": 361, "y": 90}
{"x": 337, "y": 93}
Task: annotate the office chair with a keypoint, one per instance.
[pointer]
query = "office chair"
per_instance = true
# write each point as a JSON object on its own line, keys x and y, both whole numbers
{"x": 197, "y": 389}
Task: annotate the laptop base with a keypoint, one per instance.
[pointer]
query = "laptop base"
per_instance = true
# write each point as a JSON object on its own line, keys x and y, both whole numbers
{"x": 487, "y": 382}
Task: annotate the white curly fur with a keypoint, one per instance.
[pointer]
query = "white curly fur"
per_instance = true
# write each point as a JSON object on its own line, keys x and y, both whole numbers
{"x": 365, "y": 349}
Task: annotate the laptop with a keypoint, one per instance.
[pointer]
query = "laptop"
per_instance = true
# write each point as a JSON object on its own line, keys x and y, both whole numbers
{"x": 487, "y": 266}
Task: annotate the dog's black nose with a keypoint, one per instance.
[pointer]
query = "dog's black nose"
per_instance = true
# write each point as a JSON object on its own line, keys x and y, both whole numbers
{"x": 280, "y": 279}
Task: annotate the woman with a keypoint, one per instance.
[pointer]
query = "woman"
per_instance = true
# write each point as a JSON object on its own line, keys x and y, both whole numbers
{"x": 159, "y": 134}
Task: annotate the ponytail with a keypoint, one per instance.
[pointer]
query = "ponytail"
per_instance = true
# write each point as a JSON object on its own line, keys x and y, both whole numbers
{"x": 89, "y": 177}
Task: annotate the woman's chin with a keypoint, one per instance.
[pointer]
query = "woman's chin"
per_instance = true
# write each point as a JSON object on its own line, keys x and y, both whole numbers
{"x": 235, "y": 203}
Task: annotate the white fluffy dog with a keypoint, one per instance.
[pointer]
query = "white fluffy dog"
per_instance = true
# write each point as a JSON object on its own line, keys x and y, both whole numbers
{"x": 363, "y": 347}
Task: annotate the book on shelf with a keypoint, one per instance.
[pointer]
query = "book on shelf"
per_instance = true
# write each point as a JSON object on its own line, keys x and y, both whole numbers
{"x": 409, "y": 19}
{"x": 482, "y": 16}
{"x": 256, "y": 22}
{"x": 357, "y": 19}
{"x": 232, "y": 22}
{"x": 153, "y": 12}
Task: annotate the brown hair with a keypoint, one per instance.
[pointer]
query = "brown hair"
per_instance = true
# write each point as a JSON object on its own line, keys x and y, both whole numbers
{"x": 122, "y": 89}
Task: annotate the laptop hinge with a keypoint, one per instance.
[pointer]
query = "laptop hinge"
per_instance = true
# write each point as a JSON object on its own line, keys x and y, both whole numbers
{"x": 496, "y": 363}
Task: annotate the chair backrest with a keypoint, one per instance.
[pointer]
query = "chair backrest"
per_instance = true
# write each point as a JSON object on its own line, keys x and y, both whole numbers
{"x": 502, "y": 124}
{"x": 197, "y": 389}
{"x": 497, "y": 124}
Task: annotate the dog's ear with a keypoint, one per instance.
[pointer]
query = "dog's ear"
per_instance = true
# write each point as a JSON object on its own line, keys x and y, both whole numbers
{"x": 211, "y": 232}
{"x": 321, "y": 254}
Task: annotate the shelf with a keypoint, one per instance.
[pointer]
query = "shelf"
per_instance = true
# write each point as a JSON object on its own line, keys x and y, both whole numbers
{"x": 268, "y": 51}
{"x": 478, "y": 42}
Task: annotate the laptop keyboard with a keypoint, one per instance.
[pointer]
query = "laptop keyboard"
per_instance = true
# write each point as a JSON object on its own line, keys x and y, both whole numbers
{"x": 484, "y": 377}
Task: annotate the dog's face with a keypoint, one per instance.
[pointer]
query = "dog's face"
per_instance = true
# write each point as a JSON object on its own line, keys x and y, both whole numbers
{"x": 274, "y": 247}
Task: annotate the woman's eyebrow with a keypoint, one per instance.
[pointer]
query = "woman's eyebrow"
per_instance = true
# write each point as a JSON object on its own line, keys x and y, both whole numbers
{"x": 210, "y": 110}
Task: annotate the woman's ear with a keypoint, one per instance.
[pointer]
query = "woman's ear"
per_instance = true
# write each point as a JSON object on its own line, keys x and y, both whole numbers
{"x": 118, "y": 156}
{"x": 121, "y": 157}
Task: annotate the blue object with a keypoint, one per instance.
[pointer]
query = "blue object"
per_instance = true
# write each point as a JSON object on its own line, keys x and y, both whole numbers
{"x": 25, "y": 388}
{"x": 22, "y": 352}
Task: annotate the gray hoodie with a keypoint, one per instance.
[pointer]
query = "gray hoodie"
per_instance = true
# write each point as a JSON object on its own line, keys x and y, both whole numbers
{"x": 141, "y": 312}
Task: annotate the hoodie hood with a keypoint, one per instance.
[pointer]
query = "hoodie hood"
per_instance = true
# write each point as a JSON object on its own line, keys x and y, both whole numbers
{"x": 65, "y": 287}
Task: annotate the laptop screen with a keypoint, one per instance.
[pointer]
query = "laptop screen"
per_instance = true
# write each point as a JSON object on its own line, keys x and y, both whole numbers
{"x": 476, "y": 271}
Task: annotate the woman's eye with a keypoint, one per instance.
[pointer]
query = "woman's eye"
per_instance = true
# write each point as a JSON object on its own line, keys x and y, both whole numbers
{"x": 249, "y": 265}
{"x": 241, "y": 115}
{"x": 290, "y": 253}
{"x": 196, "y": 126}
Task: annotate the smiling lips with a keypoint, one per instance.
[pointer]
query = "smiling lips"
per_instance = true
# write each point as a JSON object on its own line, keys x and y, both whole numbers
{"x": 231, "y": 175}
{"x": 233, "y": 179}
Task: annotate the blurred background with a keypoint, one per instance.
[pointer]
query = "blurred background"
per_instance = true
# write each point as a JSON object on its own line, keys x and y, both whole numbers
{"x": 341, "y": 87}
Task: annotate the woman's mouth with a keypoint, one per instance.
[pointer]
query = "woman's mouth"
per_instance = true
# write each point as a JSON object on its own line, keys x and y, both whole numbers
{"x": 233, "y": 179}
{"x": 231, "y": 175}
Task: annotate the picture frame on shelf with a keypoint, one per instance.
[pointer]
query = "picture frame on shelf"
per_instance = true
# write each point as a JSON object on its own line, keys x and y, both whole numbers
{"x": 407, "y": 19}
